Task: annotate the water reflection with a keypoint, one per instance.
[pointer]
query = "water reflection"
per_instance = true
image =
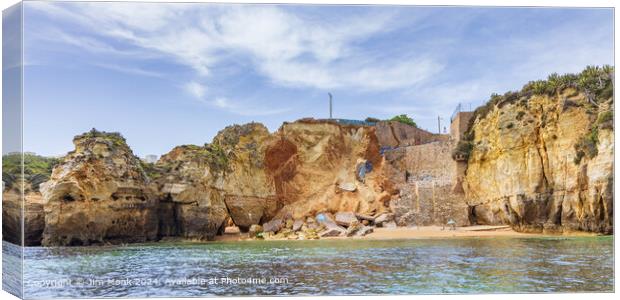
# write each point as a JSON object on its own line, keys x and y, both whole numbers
{"x": 325, "y": 267}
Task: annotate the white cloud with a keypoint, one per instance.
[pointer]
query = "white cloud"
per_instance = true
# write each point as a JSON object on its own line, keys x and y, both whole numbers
{"x": 195, "y": 89}
{"x": 222, "y": 103}
{"x": 286, "y": 48}
{"x": 291, "y": 49}
{"x": 245, "y": 109}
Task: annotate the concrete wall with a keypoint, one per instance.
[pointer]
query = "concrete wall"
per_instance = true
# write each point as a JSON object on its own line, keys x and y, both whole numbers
{"x": 459, "y": 124}
{"x": 429, "y": 181}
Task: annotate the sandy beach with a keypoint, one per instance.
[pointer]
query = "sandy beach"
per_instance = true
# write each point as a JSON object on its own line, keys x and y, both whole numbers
{"x": 425, "y": 232}
{"x": 445, "y": 232}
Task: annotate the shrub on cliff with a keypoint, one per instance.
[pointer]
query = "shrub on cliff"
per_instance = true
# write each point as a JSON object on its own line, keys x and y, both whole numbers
{"x": 588, "y": 144}
{"x": 404, "y": 119}
{"x": 462, "y": 150}
{"x": 151, "y": 170}
{"x": 37, "y": 169}
{"x": 605, "y": 120}
{"x": 594, "y": 82}
{"x": 216, "y": 157}
{"x": 115, "y": 137}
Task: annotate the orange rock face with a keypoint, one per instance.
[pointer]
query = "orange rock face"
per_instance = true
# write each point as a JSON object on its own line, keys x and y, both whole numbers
{"x": 314, "y": 165}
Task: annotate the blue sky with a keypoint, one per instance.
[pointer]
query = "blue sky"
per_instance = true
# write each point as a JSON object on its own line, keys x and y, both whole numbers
{"x": 170, "y": 74}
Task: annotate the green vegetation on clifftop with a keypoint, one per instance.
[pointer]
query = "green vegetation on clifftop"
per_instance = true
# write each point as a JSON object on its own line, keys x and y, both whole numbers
{"x": 115, "y": 137}
{"x": 37, "y": 169}
{"x": 596, "y": 83}
{"x": 404, "y": 119}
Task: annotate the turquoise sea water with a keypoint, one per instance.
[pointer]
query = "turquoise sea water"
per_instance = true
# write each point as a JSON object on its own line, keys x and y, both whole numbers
{"x": 324, "y": 267}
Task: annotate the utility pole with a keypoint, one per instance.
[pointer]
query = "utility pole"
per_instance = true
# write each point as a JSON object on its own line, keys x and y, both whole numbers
{"x": 330, "y": 105}
{"x": 439, "y": 124}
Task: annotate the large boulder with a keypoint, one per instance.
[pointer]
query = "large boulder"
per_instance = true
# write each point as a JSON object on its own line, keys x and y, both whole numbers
{"x": 273, "y": 226}
{"x": 331, "y": 228}
{"x": 245, "y": 211}
{"x": 346, "y": 218}
{"x": 297, "y": 225}
{"x": 384, "y": 218}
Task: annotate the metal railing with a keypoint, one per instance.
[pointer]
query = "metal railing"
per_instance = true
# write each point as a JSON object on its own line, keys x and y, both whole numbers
{"x": 457, "y": 110}
{"x": 461, "y": 108}
{"x": 354, "y": 122}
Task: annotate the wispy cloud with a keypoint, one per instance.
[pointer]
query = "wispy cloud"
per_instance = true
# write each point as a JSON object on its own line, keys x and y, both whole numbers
{"x": 287, "y": 49}
{"x": 443, "y": 57}
{"x": 195, "y": 89}
{"x": 244, "y": 109}
{"x": 129, "y": 70}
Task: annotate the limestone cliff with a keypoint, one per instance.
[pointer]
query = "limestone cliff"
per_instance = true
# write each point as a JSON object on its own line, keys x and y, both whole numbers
{"x": 542, "y": 159}
{"x": 97, "y": 194}
{"x": 18, "y": 206}
{"x": 22, "y": 175}
{"x": 206, "y": 184}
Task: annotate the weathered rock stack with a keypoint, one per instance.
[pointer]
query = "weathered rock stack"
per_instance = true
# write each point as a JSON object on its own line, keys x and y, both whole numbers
{"x": 99, "y": 194}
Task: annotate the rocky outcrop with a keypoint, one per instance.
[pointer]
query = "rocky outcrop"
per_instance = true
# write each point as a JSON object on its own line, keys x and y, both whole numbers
{"x": 22, "y": 206}
{"x": 22, "y": 203}
{"x": 189, "y": 206}
{"x": 99, "y": 193}
{"x": 206, "y": 184}
{"x": 392, "y": 134}
{"x": 250, "y": 194}
{"x": 539, "y": 160}
{"x": 543, "y": 162}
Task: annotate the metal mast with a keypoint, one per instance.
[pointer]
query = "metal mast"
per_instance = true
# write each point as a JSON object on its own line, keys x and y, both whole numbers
{"x": 330, "y": 105}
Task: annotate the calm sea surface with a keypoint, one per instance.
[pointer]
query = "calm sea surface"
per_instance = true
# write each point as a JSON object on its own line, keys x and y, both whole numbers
{"x": 325, "y": 267}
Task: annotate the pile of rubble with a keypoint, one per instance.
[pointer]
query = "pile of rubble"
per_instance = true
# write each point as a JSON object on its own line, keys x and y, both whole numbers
{"x": 323, "y": 225}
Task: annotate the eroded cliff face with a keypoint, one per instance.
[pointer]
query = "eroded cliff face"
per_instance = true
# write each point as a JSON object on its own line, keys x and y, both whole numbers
{"x": 101, "y": 192}
{"x": 22, "y": 203}
{"x": 18, "y": 206}
{"x": 98, "y": 194}
{"x": 201, "y": 186}
{"x": 315, "y": 166}
{"x": 526, "y": 170}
